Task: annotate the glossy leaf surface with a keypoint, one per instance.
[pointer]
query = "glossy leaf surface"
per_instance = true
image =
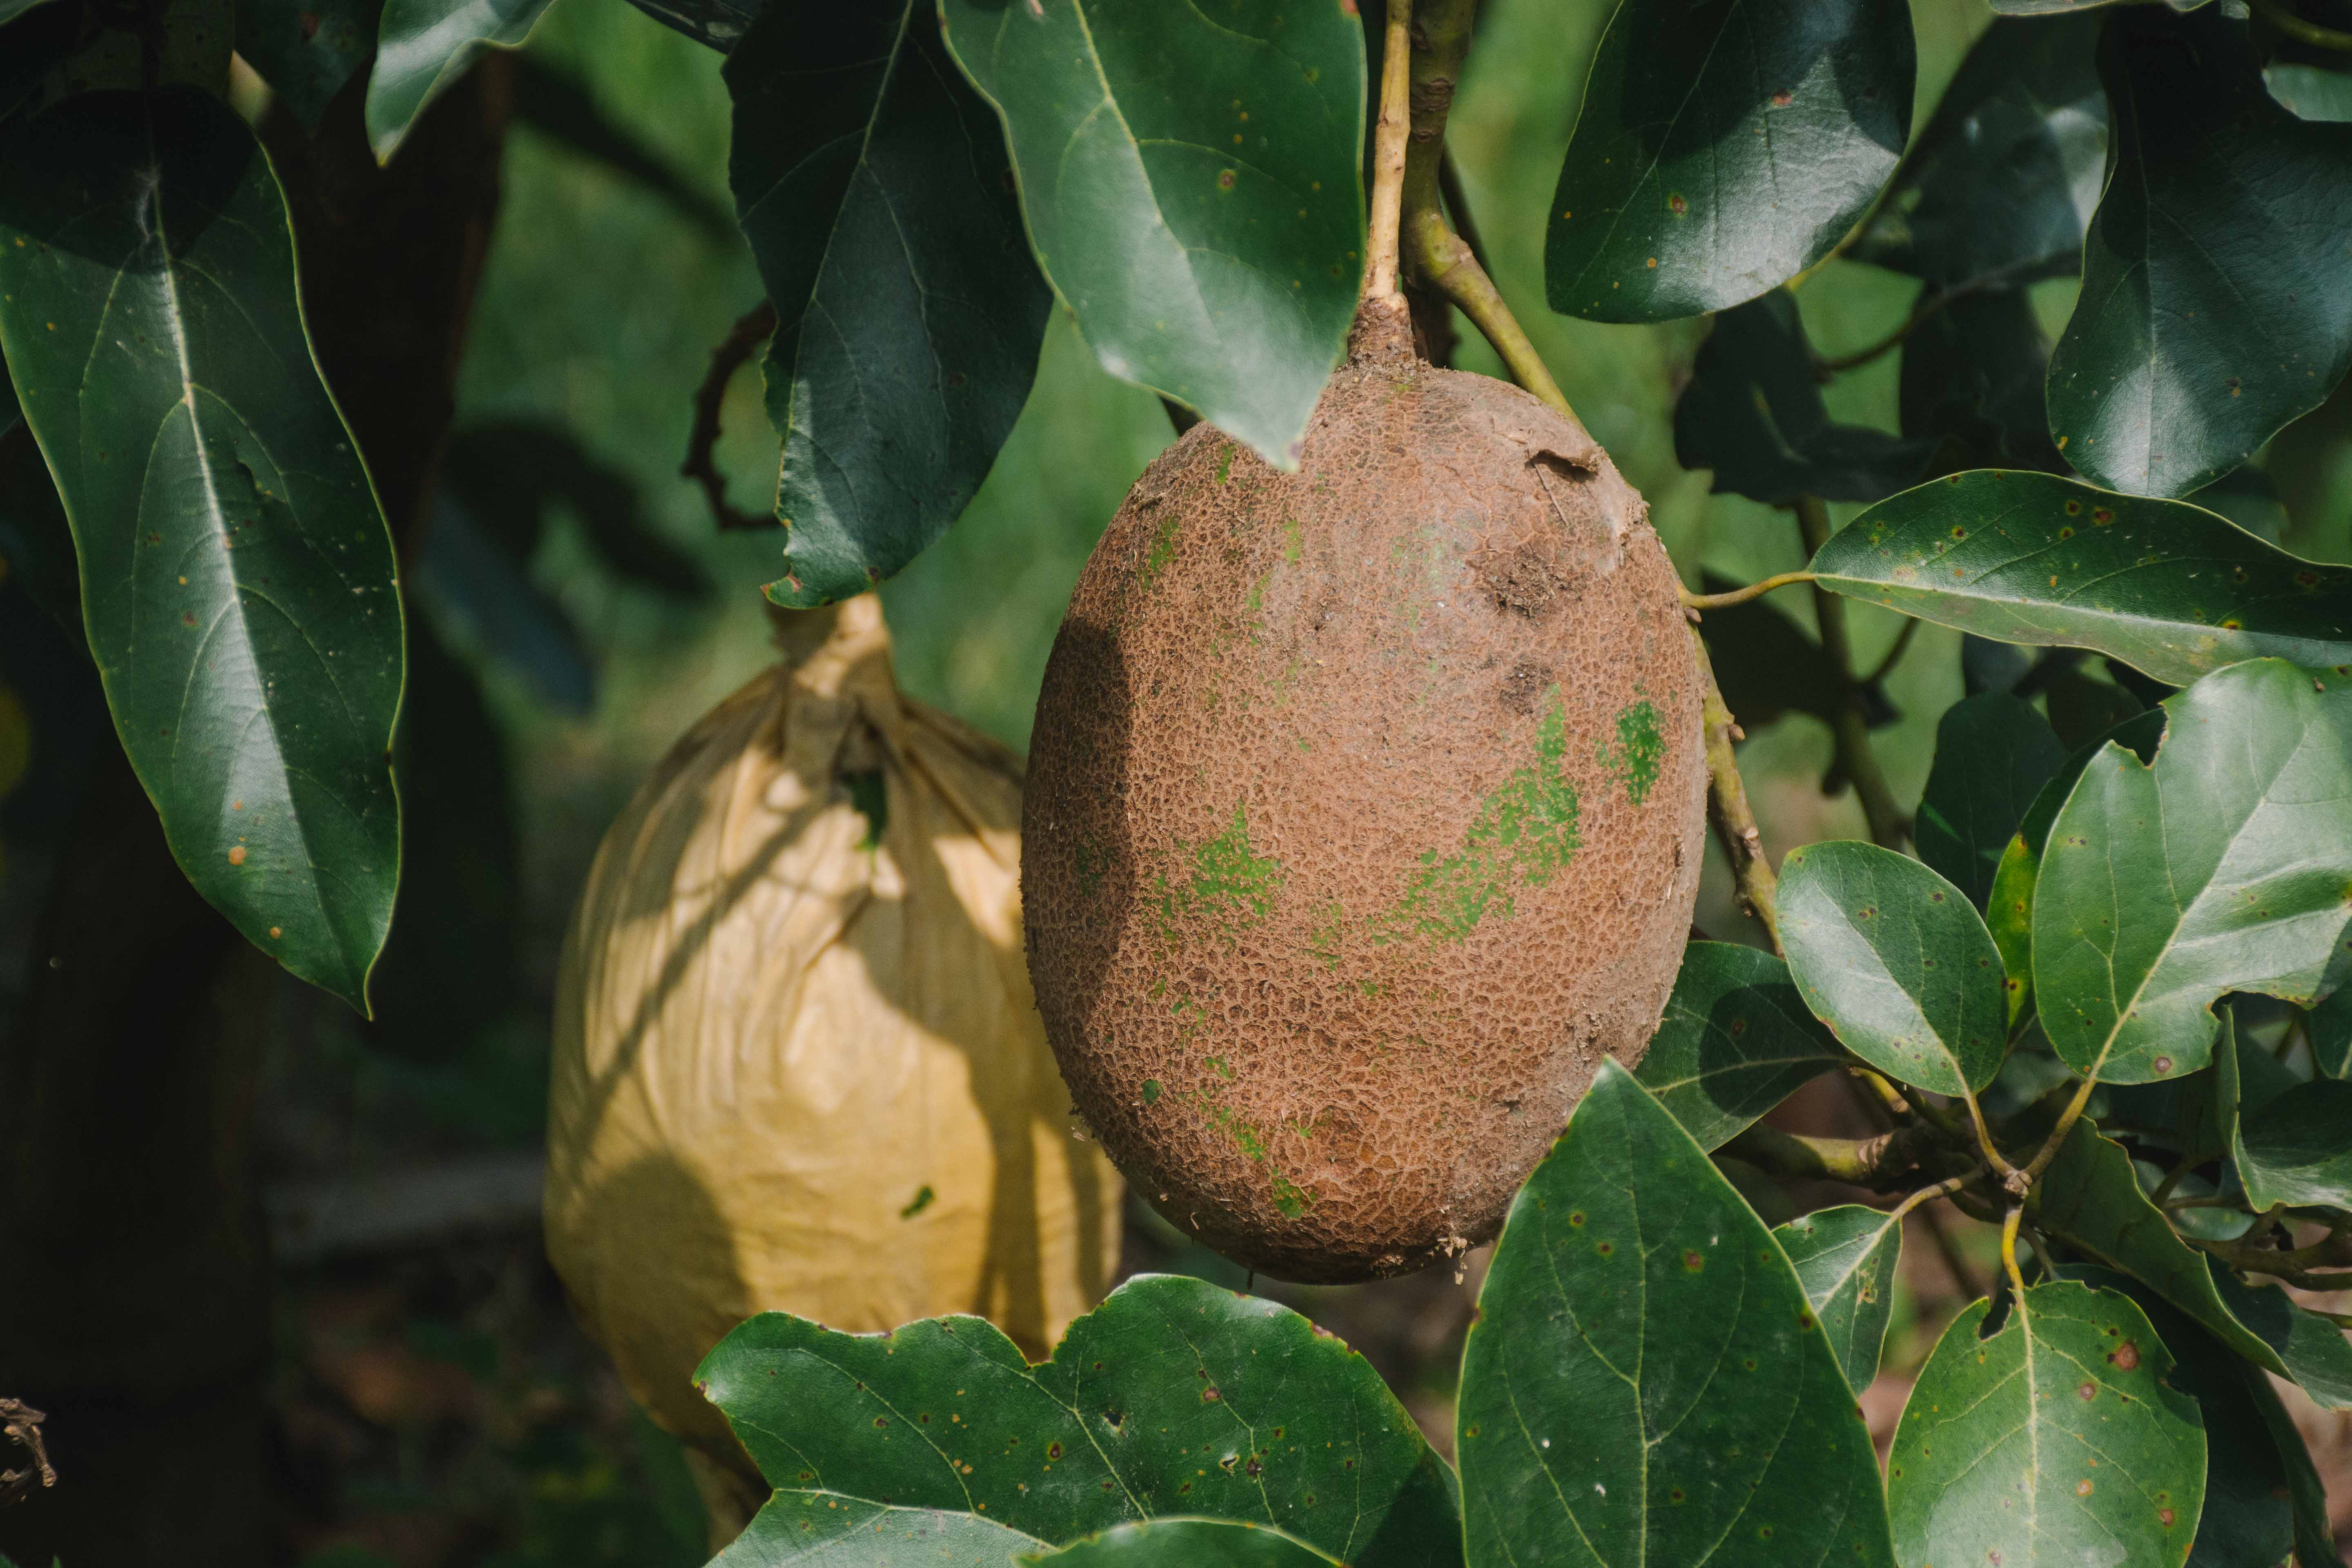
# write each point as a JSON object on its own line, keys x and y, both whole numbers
{"x": 2310, "y": 92}
{"x": 1172, "y": 1397}
{"x": 1722, "y": 148}
{"x": 1896, "y": 961}
{"x": 2009, "y": 914}
{"x": 2170, "y": 589}
{"x": 2003, "y": 180}
{"x": 423, "y": 47}
{"x": 1646, "y": 1381}
{"x": 2054, "y": 1441}
{"x": 798, "y": 1528}
{"x": 874, "y": 185}
{"x": 1845, "y": 1257}
{"x": 2297, "y": 1149}
{"x": 238, "y": 580}
{"x": 1190, "y": 179}
{"x": 1187, "y": 1543}
{"x": 2248, "y": 1519}
{"x": 1993, "y": 755}
{"x": 2226, "y": 865}
{"x": 1754, "y": 413}
{"x": 2312, "y": 1351}
{"x": 1735, "y": 1041}
{"x": 2213, "y": 307}
{"x": 2090, "y": 1197}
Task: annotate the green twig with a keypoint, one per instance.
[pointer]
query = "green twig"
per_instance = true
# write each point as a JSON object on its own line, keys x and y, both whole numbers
{"x": 1859, "y": 1161}
{"x": 1726, "y": 803}
{"x": 2278, "y": 16}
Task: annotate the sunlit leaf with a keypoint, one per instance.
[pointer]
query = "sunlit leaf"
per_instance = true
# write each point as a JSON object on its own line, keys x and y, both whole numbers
{"x": 2090, "y": 1198}
{"x": 1187, "y": 1543}
{"x": 2009, "y": 911}
{"x": 1723, "y": 147}
{"x": 2214, "y": 307}
{"x": 1846, "y": 1257}
{"x": 1896, "y": 961}
{"x": 1209, "y": 240}
{"x": 1735, "y": 1041}
{"x": 1647, "y": 1379}
{"x": 799, "y": 1528}
{"x": 874, "y": 185}
{"x": 2053, "y": 1441}
{"x": 2003, "y": 182}
{"x": 237, "y": 579}
{"x": 2170, "y": 588}
{"x": 423, "y": 47}
{"x": 1172, "y": 1397}
{"x": 2226, "y": 865}
{"x": 1993, "y": 755}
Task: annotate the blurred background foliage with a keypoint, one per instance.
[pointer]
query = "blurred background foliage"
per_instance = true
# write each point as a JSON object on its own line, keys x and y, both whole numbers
{"x": 576, "y": 610}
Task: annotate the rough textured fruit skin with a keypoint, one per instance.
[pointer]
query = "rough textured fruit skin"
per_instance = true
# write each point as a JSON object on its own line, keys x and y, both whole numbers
{"x": 1363, "y": 818}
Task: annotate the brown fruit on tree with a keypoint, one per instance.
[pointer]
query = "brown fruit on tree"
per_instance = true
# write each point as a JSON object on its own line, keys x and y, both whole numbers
{"x": 1363, "y": 818}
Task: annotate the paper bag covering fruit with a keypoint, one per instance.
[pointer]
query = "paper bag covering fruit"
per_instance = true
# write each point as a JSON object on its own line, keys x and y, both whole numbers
{"x": 797, "y": 1065}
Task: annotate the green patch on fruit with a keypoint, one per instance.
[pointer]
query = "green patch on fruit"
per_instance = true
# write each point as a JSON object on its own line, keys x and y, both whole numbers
{"x": 1157, "y": 554}
{"x": 1150, "y": 1090}
{"x": 1226, "y": 887}
{"x": 1091, "y": 863}
{"x": 1225, "y": 463}
{"x": 1524, "y": 835}
{"x": 923, "y": 1196}
{"x": 1639, "y": 751}
{"x": 1291, "y": 1198}
{"x": 1323, "y": 936}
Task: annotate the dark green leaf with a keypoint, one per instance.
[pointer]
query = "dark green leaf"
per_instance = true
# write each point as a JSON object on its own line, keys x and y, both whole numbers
{"x": 2090, "y": 1197}
{"x": 1174, "y": 1397}
{"x": 307, "y": 49}
{"x": 2055, "y": 1440}
{"x": 873, "y": 184}
{"x": 2009, "y": 914}
{"x": 2297, "y": 1149}
{"x": 2169, "y": 588}
{"x": 423, "y": 47}
{"x": 238, "y": 576}
{"x": 1972, "y": 372}
{"x": 2310, "y": 92}
{"x": 2248, "y": 1519}
{"x": 1187, "y": 1543}
{"x": 2081, "y": 706}
{"x": 1896, "y": 961}
{"x": 1993, "y": 755}
{"x": 1754, "y": 413}
{"x": 2314, "y": 1531}
{"x": 1723, "y": 147}
{"x": 1845, "y": 1257}
{"x": 1210, "y": 240}
{"x": 2330, "y": 1023}
{"x": 2312, "y": 1349}
{"x": 2224, "y": 866}
{"x": 1646, "y": 1381}
{"x": 802, "y": 1529}
{"x": 1768, "y": 666}
{"x": 1735, "y": 1041}
{"x": 2212, "y": 310}
{"x": 2003, "y": 180}
{"x": 12, "y": 9}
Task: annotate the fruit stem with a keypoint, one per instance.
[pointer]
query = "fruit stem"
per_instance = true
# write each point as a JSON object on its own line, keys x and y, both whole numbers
{"x": 1855, "y": 759}
{"x": 1726, "y": 801}
{"x": 1440, "y": 38}
{"x": 1389, "y": 155}
{"x": 1725, "y": 600}
{"x": 2294, "y": 26}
